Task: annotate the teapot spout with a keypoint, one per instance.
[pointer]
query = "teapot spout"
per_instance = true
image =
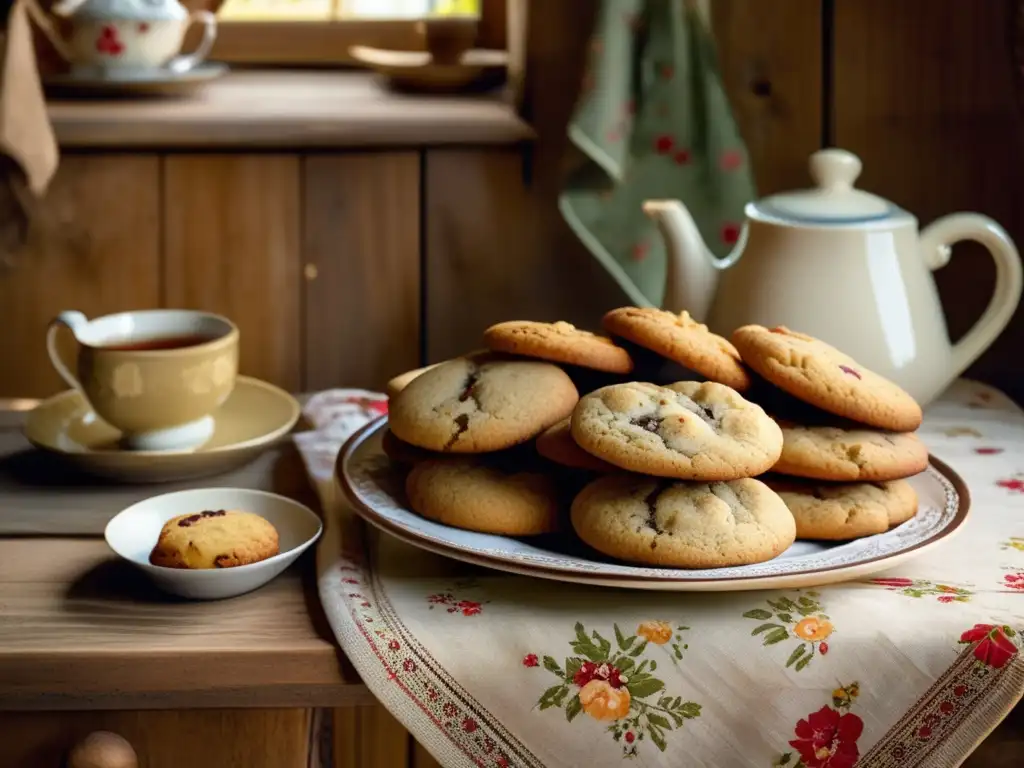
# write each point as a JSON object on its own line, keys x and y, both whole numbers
{"x": 691, "y": 269}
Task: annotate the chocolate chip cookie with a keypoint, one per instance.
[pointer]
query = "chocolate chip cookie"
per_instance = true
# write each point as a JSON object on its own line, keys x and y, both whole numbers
{"x": 835, "y": 453}
{"x": 214, "y": 538}
{"x": 481, "y": 404}
{"x": 689, "y": 430}
{"x": 819, "y": 374}
{"x": 680, "y": 338}
{"x": 845, "y": 511}
{"x": 556, "y": 444}
{"x": 683, "y": 525}
{"x": 559, "y": 343}
{"x": 484, "y": 496}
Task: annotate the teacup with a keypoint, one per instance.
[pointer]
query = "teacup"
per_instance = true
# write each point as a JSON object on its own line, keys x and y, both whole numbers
{"x": 122, "y": 36}
{"x": 448, "y": 37}
{"x": 155, "y": 375}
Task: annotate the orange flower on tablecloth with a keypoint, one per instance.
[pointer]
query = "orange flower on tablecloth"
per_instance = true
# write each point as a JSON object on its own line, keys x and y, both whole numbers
{"x": 603, "y": 702}
{"x": 657, "y": 632}
{"x": 813, "y": 628}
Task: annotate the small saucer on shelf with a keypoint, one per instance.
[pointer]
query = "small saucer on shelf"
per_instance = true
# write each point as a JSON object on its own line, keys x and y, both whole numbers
{"x": 162, "y": 81}
{"x": 133, "y": 532}
{"x": 253, "y": 418}
{"x": 417, "y": 70}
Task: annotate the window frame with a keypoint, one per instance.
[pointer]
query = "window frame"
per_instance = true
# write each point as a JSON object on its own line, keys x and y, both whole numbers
{"x": 307, "y": 43}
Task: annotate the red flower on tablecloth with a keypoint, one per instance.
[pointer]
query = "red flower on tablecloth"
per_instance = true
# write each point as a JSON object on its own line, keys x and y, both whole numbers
{"x": 453, "y": 604}
{"x": 828, "y": 737}
{"x": 530, "y": 660}
{"x": 944, "y": 593}
{"x": 1014, "y": 580}
{"x": 663, "y": 144}
{"x": 730, "y": 160}
{"x": 988, "y": 451}
{"x": 993, "y": 644}
{"x": 801, "y": 617}
{"x": 616, "y": 685}
{"x": 1015, "y": 484}
{"x": 730, "y": 233}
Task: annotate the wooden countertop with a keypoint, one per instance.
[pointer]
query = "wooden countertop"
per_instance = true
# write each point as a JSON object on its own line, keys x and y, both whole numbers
{"x": 80, "y": 629}
{"x": 287, "y": 109}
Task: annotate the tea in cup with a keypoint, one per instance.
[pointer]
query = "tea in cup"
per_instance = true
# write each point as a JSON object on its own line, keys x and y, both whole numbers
{"x": 156, "y": 375}
{"x": 119, "y": 37}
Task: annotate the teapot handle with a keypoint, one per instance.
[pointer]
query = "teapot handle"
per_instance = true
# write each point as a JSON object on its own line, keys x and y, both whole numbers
{"x": 936, "y": 242}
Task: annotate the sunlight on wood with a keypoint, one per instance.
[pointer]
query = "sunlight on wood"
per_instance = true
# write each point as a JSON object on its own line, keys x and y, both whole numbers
{"x": 324, "y": 10}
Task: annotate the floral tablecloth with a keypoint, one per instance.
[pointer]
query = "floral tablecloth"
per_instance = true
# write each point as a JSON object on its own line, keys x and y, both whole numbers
{"x": 911, "y": 668}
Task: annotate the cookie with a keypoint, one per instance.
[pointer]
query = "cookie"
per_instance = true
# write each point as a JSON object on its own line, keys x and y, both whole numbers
{"x": 835, "y": 453}
{"x": 683, "y": 525}
{"x": 556, "y": 444}
{"x": 559, "y": 343}
{"x": 689, "y": 430}
{"x": 401, "y": 381}
{"x": 214, "y": 538}
{"x": 819, "y": 374}
{"x": 400, "y": 452}
{"x": 681, "y": 339}
{"x": 845, "y": 511}
{"x": 489, "y": 498}
{"x": 481, "y": 404}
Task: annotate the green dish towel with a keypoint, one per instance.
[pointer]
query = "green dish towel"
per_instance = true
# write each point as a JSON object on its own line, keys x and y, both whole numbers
{"x": 654, "y": 122}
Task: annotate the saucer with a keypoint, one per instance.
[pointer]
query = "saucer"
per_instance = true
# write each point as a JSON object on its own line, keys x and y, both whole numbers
{"x": 157, "y": 81}
{"x": 416, "y": 70}
{"x": 252, "y": 419}
{"x": 133, "y": 532}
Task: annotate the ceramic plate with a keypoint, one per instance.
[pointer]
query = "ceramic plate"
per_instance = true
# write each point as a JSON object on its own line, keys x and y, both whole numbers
{"x": 417, "y": 71}
{"x": 155, "y": 82}
{"x": 253, "y": 418}
{"x": 374, "y": 486}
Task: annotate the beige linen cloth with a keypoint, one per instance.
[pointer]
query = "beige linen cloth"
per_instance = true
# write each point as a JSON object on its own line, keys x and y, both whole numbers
{"x": 27, "y": 143}
{"x": 913, "y": 667}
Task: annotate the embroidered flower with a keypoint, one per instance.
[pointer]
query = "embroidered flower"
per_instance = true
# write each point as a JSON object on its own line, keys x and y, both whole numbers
{"x": 988, "y": 451}
{"x": 590, "y": 670}
{"x": 1012, "y": 484}
{"x": 1014, "y": 580}
{"x": 663, "y": 144}
{"x": 469, "y": 607}
{"x": 657, "y": 632}
{"x": 993, "y": 646}
{"x": 530, "y": 660}
{"x": 604, "y": 702}
{"x": 469, "y": 725}
{"x": 828, "y": 739}
{"x": 813, "y": 628}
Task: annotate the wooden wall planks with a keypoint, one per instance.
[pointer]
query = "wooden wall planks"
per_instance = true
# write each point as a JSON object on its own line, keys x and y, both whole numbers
{"x": 232, "y": 237}
{"x": 361, "y": 246}
{"x": 370, "y": 737}
{"x": 926, "y": 99}
{"x": 94, "y": 248}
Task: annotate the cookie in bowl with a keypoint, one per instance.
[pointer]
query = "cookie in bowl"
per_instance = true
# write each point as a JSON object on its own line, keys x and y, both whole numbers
{"x": 214, "y": 538}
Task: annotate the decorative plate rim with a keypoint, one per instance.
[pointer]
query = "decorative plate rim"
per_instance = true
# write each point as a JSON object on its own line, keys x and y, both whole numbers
{"x": 954, "y": 487}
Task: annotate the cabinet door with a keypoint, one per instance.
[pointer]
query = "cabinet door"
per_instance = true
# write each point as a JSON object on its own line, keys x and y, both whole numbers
{"x": 94, "y": 247}
{"x": 254, "y": 738}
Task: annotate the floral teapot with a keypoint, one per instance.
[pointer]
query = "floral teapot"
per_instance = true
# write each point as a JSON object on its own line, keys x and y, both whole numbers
{"x": 845, "y": 266}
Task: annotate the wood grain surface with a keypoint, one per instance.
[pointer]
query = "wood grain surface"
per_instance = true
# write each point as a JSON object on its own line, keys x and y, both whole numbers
{"x": 269, "y": 738}
{"x": 288, "y": 109}
{"x": 82, "y": 629}
{"x": 94, "y": 247}
{"x": 231, "y": 238}
{"x": 361, "y": 247}
{"x": 369, "y": 737}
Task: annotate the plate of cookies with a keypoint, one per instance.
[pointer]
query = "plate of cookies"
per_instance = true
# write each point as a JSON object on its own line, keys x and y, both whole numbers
{"x": 659, "y": 456}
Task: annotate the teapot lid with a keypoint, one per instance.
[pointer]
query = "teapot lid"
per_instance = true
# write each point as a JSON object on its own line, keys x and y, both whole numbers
{"x": 834, "y": 200}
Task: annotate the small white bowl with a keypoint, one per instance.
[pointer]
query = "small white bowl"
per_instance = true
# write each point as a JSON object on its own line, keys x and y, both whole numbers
{"x": 133, "y": 532}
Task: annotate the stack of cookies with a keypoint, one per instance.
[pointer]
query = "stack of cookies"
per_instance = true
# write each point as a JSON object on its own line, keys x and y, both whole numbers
{"x": 690, "y": 474}
{"x": 848, "y": 435}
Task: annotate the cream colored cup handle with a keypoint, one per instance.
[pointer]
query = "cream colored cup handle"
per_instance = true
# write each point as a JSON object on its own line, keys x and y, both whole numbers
{"x": 936, "y": 241}
{"x": 191, "y": 60}
{"x": 73, "y": 321}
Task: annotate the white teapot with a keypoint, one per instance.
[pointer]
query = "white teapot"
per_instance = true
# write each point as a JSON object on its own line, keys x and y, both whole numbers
{"x": 845, "y": 266}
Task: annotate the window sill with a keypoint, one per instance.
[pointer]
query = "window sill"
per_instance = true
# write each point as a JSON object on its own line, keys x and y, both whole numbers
{"x": 288, "y": 109}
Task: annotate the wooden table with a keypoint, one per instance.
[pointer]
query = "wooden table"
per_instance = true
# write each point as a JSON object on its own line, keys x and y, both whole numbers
{"x": 87, "y": 643}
